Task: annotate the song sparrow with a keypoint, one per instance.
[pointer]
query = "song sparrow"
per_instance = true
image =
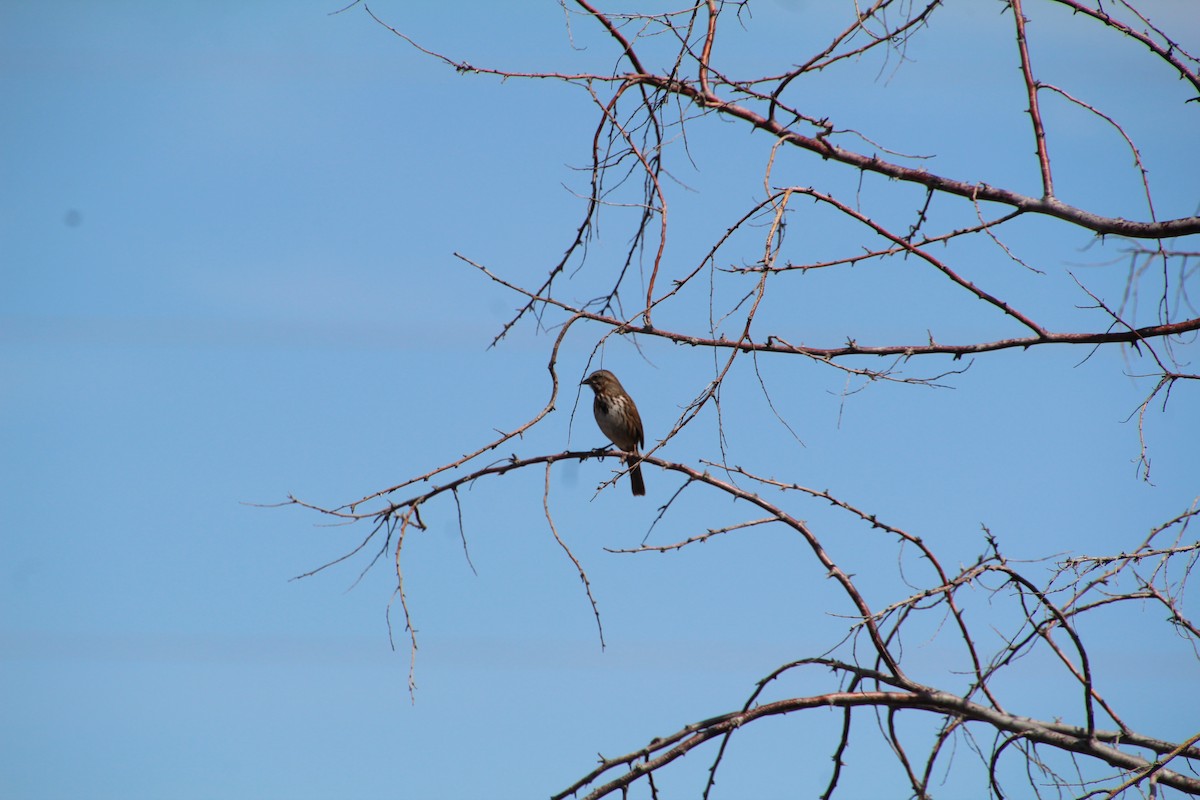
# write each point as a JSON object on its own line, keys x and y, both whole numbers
{"x": 618, "y": 418}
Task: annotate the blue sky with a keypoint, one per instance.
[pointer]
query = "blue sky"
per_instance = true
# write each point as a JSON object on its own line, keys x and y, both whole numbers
{"x": 226, "y": 237}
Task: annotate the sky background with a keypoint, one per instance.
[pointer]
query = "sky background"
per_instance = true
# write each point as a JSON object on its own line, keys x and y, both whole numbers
{"x": 226, "y": 238}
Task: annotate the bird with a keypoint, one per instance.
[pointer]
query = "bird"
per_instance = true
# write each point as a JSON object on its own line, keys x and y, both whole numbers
{"x": 618, "y": 418}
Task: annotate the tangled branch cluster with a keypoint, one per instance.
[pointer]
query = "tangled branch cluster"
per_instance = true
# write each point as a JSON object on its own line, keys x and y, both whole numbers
{"x": 668, "y": 80}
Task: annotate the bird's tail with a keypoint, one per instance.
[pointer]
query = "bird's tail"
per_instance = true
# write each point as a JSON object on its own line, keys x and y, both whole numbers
{"x": 636, "y": 482}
